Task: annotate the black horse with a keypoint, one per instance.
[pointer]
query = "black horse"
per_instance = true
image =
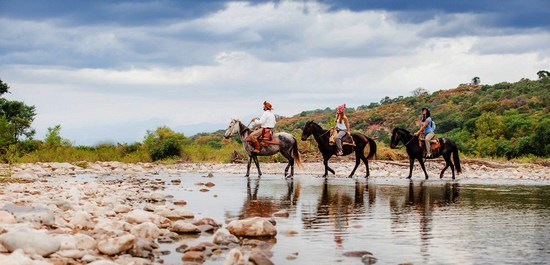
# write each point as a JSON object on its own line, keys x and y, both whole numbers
{"x": 322, "y": 137}
{"x": 415, "y": 151}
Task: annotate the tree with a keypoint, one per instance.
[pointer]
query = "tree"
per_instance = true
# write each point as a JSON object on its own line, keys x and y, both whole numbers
{"x": 475, "y": 81}
{"x": 3, "y": 88}
{"x": 164, "y": 143}
{"x": 419, "y": 92}
{"x": 53, "y": 138}
{"x": 17, "y": 114}
{"x": 489, "y": 124}
{"x": 543, "y": 74}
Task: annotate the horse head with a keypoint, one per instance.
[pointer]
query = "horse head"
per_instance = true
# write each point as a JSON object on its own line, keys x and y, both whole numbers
{"x": 307, "y": 130}
{"x": 232, "y": 129}
{"x": 397, "y": 135}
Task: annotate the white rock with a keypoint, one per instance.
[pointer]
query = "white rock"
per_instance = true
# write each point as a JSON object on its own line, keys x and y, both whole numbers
{"x": 139, "y": 216}
{"x": 120, "y": 208}
{"x": 7, "y": 218}
{"x": 252, "y": 227}
{"x": 113, "y": 246}
{"x": 184, "y": 227}
{"x": 234, "y": 257}
{"x": 31, "y": 241}
{"x": 19, "y": 258}
{"x": 146, "y": 230}
{"x": 82, "y": 220}
{"x": 85, "y": 242}
{"x": 26, "y": 174}
{"x": 175, "y": 214}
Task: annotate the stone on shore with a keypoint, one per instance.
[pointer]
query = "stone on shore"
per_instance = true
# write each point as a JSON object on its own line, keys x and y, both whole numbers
{"x": 30, "y": 241}
{"x": 252, "y": 227}
{"x": 184, "y": 227}
{"x": 117, "y": 245}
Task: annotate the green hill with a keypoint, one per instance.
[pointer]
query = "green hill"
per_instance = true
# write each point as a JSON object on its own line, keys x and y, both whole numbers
{"x": 502, "y": 120}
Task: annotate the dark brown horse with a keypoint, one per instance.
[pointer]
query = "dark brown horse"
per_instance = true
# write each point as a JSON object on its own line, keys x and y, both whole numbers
{"x": 415, "y": 151}
{"x": 322, "y": 137}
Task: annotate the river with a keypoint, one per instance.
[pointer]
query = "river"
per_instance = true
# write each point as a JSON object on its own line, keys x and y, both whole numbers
{"x": 468, "y": 221}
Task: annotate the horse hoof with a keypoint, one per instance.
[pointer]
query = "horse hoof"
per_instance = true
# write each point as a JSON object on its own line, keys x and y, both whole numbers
{"x": 409, "y": 177}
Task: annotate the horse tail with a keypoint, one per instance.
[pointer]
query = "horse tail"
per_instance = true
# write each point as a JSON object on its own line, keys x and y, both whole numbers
{"x": 296, "y": 154}
{"x": 372, "y": 145}
{"x": 457, "y": 160}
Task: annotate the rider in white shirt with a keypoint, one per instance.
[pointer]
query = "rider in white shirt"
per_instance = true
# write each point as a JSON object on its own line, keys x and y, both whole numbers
{"x": 267, "y": 123}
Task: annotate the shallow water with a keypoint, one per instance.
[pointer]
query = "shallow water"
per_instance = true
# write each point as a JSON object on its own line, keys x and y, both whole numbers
{"x": 399, "y": 221}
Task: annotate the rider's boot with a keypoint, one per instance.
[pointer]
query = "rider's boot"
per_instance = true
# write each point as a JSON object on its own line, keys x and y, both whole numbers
{"x": 256, "y": 147}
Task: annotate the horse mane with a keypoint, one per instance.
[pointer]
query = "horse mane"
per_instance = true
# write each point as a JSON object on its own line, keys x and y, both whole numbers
{"x": 316, "y": 125}
{"x": 402, "y": 130}
{"x": 243, "y": 128}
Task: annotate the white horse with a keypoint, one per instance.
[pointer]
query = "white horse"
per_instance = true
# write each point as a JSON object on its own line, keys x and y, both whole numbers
{"x": 288, "y": 147}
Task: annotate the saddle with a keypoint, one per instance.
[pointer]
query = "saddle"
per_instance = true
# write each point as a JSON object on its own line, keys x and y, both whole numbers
{"x": 346, "y": 140}
{"x": 266, "y": 138}
{"x": 434, "y": 146}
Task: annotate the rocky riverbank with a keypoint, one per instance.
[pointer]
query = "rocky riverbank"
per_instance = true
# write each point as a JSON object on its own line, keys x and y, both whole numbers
{"x": 63, "y": 213}
{"x": 471, "y": 169}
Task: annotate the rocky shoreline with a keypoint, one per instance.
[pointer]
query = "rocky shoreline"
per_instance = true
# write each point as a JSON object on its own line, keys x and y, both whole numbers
{"x": 471, "y": 169}
{"x": 63, "y": 213}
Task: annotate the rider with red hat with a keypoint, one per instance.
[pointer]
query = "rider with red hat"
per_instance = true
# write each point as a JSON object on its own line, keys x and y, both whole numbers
{"x": 267, "y": 123}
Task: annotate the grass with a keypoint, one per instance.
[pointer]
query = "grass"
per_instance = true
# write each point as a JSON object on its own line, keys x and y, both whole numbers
{"x": 205, "y": 153}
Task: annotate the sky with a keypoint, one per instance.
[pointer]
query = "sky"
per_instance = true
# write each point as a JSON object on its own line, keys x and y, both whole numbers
{"x": 109, "y": 71}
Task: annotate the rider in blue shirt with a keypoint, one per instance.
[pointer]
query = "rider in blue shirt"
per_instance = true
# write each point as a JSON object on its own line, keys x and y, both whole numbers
{"x": 426, "y": 130}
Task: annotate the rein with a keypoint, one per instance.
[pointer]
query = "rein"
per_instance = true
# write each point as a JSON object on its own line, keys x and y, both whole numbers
{"x": 407, "y": 143}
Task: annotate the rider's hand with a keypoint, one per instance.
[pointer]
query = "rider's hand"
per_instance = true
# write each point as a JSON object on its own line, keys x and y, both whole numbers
{"x": 253, "y": 119}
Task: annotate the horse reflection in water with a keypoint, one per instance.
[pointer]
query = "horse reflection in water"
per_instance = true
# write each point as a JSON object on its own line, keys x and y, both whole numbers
{"x": 336, "y": 208}
{"x": 419, "y": 204}
{"x": 266, "y": 206}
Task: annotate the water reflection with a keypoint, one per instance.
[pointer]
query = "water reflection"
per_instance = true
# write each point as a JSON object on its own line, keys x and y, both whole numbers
{"x": 266, "y": 205}
{"x": 337, "y": 206}
{"x": 418, "y": 222}
{"x": 421, "y": 200}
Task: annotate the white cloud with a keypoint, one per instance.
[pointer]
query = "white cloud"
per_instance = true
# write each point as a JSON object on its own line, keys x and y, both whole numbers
{"x": 298, "y": 55}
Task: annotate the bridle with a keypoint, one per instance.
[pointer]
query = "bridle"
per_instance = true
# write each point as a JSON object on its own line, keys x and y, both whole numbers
{"x": 317, "y": 135}
{"x": 407, "y": 143}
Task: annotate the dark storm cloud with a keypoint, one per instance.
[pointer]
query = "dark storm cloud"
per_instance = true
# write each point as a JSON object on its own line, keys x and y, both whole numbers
{"x": 499, "y": 13}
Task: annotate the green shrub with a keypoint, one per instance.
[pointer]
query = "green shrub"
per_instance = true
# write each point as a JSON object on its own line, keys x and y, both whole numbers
{"x": 164, "y": 143}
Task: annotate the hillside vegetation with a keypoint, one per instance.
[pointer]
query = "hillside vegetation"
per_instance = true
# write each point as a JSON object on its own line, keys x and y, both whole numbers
{"x": 505, "y": 120}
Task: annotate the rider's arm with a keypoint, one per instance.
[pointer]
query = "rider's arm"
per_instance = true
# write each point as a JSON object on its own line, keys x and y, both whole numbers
{"x": 347, "y": 124}
{"x": 422, "y": 127}
{"x": 261, "y": 120}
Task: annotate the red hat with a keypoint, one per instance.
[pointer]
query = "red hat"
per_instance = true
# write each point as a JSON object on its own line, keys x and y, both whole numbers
{"x": 268, "y": 105}
{"x": 341, "y": 108}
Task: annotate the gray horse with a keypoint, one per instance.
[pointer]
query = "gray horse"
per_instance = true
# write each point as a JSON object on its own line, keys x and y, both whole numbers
{"x": 288, "y": 147}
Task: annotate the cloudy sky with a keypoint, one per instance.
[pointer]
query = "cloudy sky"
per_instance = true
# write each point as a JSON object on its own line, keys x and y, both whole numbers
{"x": 108, "y": 71}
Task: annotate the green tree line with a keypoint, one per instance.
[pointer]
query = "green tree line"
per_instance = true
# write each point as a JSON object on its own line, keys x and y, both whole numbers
{"x": 508, "y": 120}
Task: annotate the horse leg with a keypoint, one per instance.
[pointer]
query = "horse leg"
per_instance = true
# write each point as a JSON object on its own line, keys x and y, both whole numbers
{"x": 290, "y": 164}
{"x": 257, "y": 165}
{"x": 448, "y": 163}
{"x": 327, "y": 168}
{"x": 448, "y": 159}
{"x": 366, "y": 161}
{"x": 357, "y": 162}
{"x": 421, "y": 161}
{"x": 248, "y": 166}
{"x": 411, "y": 166}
